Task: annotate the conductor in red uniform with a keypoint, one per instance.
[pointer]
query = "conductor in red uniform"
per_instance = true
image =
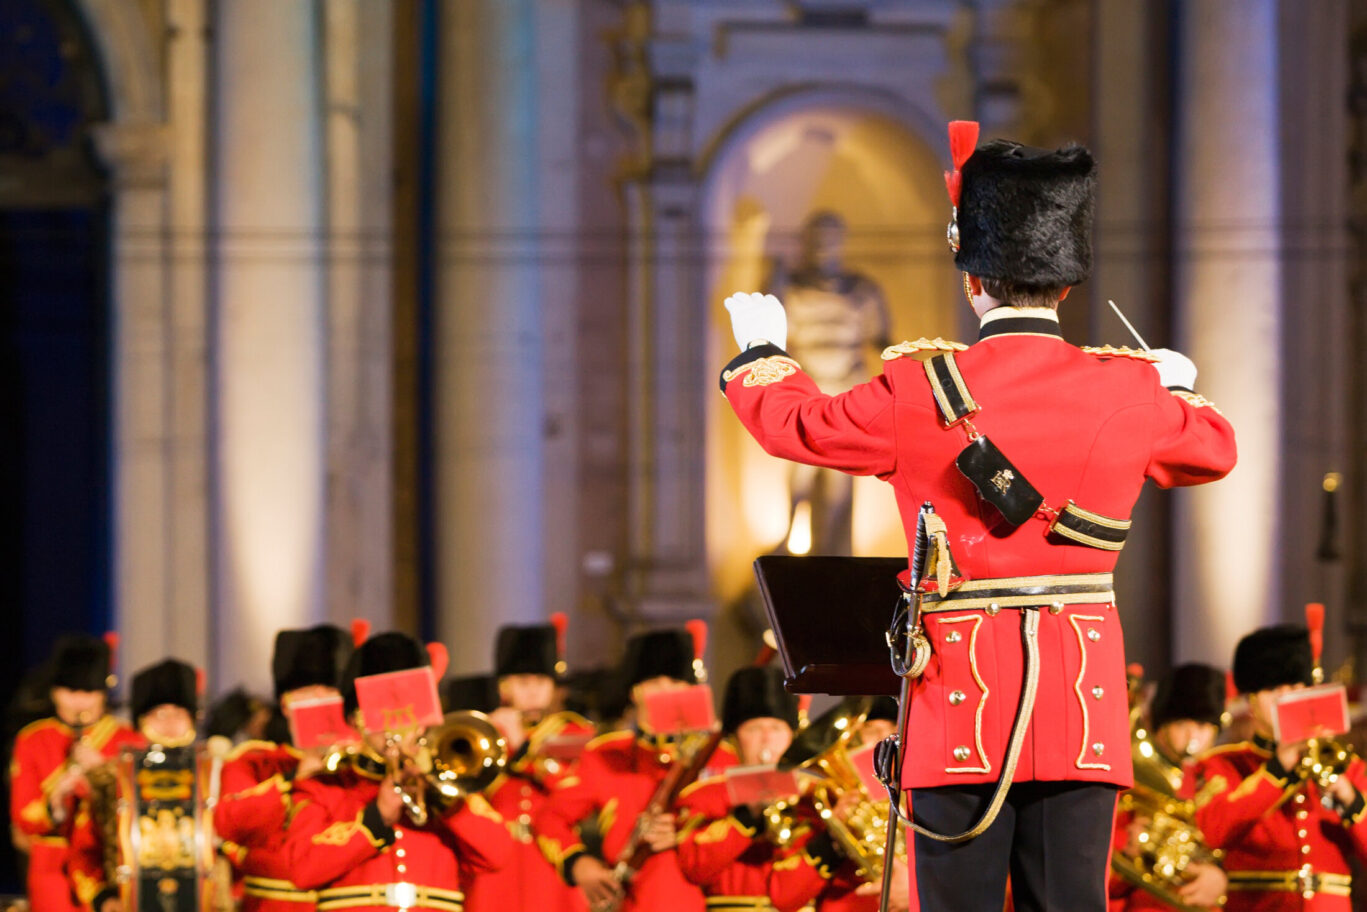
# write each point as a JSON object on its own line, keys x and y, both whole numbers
{"x": 50, "y": 761}
{"x": 259, "y": 777}
{"x": 1288, "y": 843}
{"x": 1032, "y": 452}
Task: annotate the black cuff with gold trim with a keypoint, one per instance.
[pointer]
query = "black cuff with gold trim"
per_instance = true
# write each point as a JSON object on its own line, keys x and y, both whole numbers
{"x": 567, "y": 866}
{"x": 1354, "y": 813}
{"x": 748, "y": 821}
{"x": 825, "y": 857}
{"x": 373, "y": 820}
{"x": 767, "y": 350}
{"x": 1284, "y": 776}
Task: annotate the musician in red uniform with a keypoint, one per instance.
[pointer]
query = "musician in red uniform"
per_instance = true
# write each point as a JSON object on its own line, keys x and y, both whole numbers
{"x": 258, "y": 778}
{"x": 723, "y": 848}
{"x": 350, "y": 838}
{"x": 617, "y": 775}
{"x": 529, "y": 666}
{"x": 1288, "y": 843}
{"x": 815, "y": 869}
{"x": 1185, "y": 717}
{"x": 164, "y": 700}
{"x": 50, "y": 761}
{"x": 1032, "y": 451}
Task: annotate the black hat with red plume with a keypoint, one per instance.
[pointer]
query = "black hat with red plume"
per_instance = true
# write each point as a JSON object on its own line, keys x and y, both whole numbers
{"x": 1021, "y": 214}
{"x": 536, "y": 649}
{"x": 1274, "y": 656}
{"x": 82, "y": 662}
{"x": 1192, "y": 691}
{"x": 666, "y": 653}
{"x": 168, "y": 682}
{"x": 757, "y": 693}
{"x": 305, "y": 657}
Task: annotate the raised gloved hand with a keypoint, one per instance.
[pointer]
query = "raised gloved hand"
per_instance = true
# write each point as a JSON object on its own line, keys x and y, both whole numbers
{"x": 757, "y": 317}
{"x": 1174, "y": 369}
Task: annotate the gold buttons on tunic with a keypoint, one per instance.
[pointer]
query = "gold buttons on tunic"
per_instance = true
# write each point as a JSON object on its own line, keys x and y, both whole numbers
{"x": 1300, "y": 799}
{"x": 993, "y": 608}
{"x": 1098, "y": 692}
{"x": 1056, "y": 608}
{"x": 953, "y": 636}
{"x": 1093, "y": 634}
{"x": 957, "y": 697}
{"x": 1098, "y": 748}
{"x": 961, "y": 753}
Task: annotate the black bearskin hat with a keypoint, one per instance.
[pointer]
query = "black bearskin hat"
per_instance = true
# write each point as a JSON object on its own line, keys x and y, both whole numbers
{"x": 1273, "y": 656}
{"x": 757, "y": 693}
{"x": 313, "y": 656}
{"x": 1025, "y": 214}
{"x": 169, "y": 681}
{"x": 526, "y": 650}
{"x": 475, "y": 692}
{"x": 1194, "y": 691}
{"x": 883, "y": 708}
{"x": 659, "y": 652}
{"x": 382, "y": 653}
{"x": 80, "y": 662}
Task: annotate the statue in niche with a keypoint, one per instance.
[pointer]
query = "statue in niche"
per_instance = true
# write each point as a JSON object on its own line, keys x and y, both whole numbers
{"x": 837, "y": 319}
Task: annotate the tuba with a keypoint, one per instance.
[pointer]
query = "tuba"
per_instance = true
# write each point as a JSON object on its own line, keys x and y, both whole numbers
{"x": 822, "y": 753}
{"x": 1171, "y": 841}
{"x": 460, "y": 757}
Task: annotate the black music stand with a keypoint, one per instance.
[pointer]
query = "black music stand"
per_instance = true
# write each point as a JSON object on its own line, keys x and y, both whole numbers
{"x": 830, "y": 616}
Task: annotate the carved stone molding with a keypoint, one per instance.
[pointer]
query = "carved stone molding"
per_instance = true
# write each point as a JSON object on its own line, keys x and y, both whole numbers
{"x": 136, "y": 153}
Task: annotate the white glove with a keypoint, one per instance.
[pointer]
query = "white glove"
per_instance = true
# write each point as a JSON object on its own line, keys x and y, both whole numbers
{"x": 756, "y": 317}
{"x": 1174, "y": 368}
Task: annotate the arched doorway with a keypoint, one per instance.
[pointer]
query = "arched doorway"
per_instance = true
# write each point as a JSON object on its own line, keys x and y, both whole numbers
{"x": 867, "y": 162}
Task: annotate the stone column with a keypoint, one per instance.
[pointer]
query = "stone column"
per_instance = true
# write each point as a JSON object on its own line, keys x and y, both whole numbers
{"x": 488, "y": 404}
{"x": 358, "y": 75}
{"x": 1228, "y": 315}
{"x": 269, "y": 330}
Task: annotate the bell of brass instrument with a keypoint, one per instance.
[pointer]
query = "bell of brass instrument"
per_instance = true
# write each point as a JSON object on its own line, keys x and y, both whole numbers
{"x": 1171, "y": 841}
{"x": 104, "y": 812}
{"x": 1324, "y": 760}
{"x": 462, "y": 756}
{"x": 821, "y": 752}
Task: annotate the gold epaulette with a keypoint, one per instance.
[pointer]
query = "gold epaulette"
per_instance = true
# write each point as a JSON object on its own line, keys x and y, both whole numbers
{"x": 611, "y": 737}
{"x": 1124, "y": 351}
{"x": 1196, "y": 400}
{"x": 893, "y": 352}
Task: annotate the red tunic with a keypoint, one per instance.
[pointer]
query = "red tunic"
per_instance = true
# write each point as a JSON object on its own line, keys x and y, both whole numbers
{"x": 1080, "y": 426}
{"x": 1283, "y": 849}
{"x": 616, "y": 778}
{"x": 40, "y": 754}
{"x": 722, "y": 848}
{"x": 256, "y": 786}
{"x": 338, "y": 844}
{"x": 529, "y": 881}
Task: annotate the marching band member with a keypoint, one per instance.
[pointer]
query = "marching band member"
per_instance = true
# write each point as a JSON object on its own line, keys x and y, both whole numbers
{"x": 259, "y": 776}
{"x": 617, "y": 776}
{"x": 1185, "y": 718}
{"x": 722, "y": 848}
{"x": 51, "y": 759}
{"x": 1032, "y": 483}
{"x": 350, "y": 839}
{"x": 529, "y": 665}
{"x": 1288, "y": 843}
{"x": 164, "y": 701}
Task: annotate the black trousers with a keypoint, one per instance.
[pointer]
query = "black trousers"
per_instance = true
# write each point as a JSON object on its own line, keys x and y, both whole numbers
{"x": 1053, "y": 838}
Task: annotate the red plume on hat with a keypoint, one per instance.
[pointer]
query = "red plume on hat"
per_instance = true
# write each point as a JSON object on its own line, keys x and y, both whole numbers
{"x": 440, "y": 658}
{"x": 963, "y": 139}
{"x": 561, "y": 622}
{"x": 697, "y": 629}
{"x": 360, "y": 631}
{"x": 111, "y": 639}
{"x": 1314, "y": 620}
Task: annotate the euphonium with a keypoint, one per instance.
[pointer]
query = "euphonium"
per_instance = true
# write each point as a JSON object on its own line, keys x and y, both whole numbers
{"x": 829, "y": 774}
{"x": 1171, "y": 841}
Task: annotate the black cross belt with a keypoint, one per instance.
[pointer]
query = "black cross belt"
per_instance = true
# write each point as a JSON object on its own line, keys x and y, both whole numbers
{"x": 1088, "y": 528}
{"x": 1024, "y": 592}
